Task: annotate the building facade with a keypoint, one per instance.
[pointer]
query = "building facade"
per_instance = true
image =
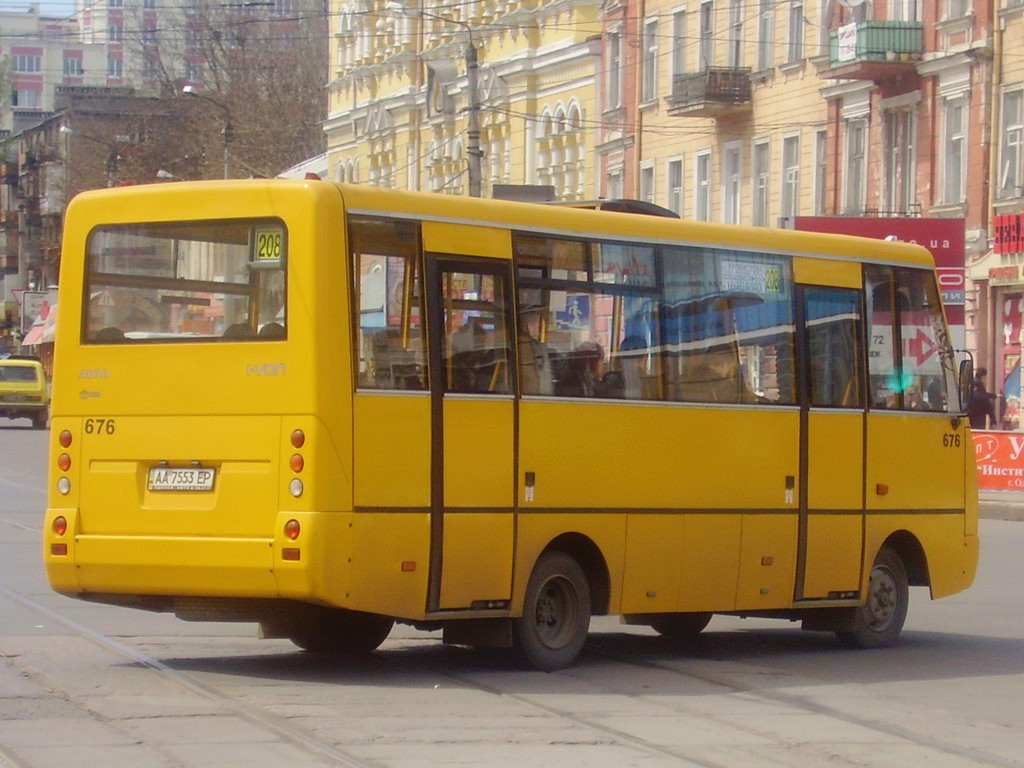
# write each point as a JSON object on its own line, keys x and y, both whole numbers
{"x": 403, "y": 114}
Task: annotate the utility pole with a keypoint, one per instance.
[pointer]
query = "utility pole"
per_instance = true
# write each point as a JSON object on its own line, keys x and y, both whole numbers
{"x": 473, "y": 152}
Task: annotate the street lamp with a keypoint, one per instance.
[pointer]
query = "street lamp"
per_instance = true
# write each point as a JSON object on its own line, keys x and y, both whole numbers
{"x": 473, "y": 153}
{"x": 228, "y": 133}
{"x": 112, "y": 157}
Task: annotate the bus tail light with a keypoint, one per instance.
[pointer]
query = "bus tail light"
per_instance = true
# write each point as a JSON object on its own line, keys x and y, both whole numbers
{"x": 296, "y": 463}
{"x": 295, "y": 487}
{"x": 64, "y": 486}
{"x": 64, "y": 439}
{"x": 60, "y": 550}
{"x": 291, "y": 553}
{"x": 60, "y": 525}
{"x": 292, "y": 529}
{"x": 298, "y": 438}
{"x": 64, "y": 462}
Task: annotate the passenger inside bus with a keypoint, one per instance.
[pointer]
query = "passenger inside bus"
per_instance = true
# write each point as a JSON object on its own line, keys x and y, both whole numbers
{"x": 583, "y": 374}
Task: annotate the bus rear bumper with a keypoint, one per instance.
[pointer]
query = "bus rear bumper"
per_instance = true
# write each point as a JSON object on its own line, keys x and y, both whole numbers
{"x": 81, "y": 564}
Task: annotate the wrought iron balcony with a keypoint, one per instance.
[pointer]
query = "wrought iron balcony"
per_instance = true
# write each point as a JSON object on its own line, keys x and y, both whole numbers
{"x": 713, "y": 92}
{"x": 874, "y": 50}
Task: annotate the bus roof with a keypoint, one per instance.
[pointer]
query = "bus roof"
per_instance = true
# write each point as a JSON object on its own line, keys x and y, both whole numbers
{"x": 213, "y": 199}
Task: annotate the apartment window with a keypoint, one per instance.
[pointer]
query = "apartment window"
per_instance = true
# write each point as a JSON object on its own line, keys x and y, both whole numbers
{"x": 73, "y": 66}
{"x": 25, "y": 99}
{"x": 678, "y": 43}
{"x": 790, "y": 176}
{"x": 702, "y": 187}
{"x": 765, "y": 34}
{"x": 904, "y": 10}
{"x": 115, "y": 67}
{"x": 820, "y": 172}
{"x": 1010, "y": 182}
{"x": 149, "y": 4}
{"x": 957, "y": 9}
{"x": 193, "y": 72}
{"x": 650, "y": 65}
{"x": 795, "y": 47}
{"x": 614, "y": 69}
{"x": 675, "y": 186}
{"x": 856, "y": 165}
{"x": 149, "y": 37}
{"x": 706, "y": 41}
{"x": 115, "y": 33}
{"x": 762, "y": 170}
{"x": 898, "y": 180}
{"x": 27, "y": 63}
{"x": 115, "y": 3}
{"x": 615, "y": 184}
{"x": 731, "y": 183}
{"x": 735, "y": 41}
{"x": 647, "y": 182}
{"x": 954, "y": 150}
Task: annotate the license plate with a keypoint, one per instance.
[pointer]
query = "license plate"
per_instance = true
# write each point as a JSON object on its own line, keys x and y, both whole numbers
{"x": 181, "y": 479}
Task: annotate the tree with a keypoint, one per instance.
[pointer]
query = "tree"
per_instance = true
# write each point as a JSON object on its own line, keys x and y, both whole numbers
{"x": 264, "y": 65}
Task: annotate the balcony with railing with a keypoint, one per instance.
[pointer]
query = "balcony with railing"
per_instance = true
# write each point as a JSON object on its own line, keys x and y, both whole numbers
{"x": 874, "y": 50}
{"x": 713, "y": 92}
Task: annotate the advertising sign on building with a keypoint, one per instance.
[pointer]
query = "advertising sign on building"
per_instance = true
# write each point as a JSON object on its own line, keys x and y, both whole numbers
{"x": 1000, "y": 457}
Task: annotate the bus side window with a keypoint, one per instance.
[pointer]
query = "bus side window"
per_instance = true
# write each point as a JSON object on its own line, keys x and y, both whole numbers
{"x": 388, "y": 304}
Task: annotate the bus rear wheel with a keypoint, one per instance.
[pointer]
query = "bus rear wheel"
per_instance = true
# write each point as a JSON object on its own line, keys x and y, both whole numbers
{"x": 878, "y": 623}
{"x": 681, "y": 626}
{"x": 556, "y": 614}
{"x": 341, "y": 632}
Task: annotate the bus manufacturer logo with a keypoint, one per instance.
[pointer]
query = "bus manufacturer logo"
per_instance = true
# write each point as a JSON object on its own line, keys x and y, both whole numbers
{"x": 266, "y": 369}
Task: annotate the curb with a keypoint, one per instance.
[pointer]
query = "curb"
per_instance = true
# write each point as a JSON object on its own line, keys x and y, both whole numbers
{"x": 989, "y": 509}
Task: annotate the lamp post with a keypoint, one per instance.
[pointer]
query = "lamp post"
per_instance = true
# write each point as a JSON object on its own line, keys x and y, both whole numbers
{"x": 112, "y": 157}
{"x": 228, "y": 133}
{"x": 473, "y": 152}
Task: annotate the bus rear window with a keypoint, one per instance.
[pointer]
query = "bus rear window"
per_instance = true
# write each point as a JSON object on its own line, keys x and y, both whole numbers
{"x": 190, "y": 281}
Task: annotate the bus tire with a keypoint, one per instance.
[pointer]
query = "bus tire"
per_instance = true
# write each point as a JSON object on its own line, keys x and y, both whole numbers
{"x": 341, "y": 632}
{"x": 878, "y": 623}
{"x": 681, "y": 626}
{"x": 556, "y": 614}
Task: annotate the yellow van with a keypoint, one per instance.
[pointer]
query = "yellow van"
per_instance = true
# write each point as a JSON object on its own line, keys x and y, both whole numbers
{"x": 23, "y": 392}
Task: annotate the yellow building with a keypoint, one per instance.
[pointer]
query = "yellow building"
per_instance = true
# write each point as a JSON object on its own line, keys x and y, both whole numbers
{"x": 731, "y": 123}
{"x": 403, "y": 102}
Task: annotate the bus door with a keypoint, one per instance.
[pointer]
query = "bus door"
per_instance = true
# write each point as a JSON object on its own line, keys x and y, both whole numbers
{"x": 473, "y": 439}
{"x": 831, "y": 489}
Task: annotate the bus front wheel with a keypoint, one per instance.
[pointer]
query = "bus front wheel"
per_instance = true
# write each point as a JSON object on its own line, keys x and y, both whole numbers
{"x": 556, "y": 614}
{"x": 342, "y": 632}
{"x": 879, "y": 621}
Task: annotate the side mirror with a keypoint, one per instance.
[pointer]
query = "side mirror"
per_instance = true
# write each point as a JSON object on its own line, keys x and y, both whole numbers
{"x": 966, "y": 384}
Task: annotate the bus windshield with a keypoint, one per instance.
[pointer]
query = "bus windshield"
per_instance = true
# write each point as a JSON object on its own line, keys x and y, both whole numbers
{"x": 186, "y": 281}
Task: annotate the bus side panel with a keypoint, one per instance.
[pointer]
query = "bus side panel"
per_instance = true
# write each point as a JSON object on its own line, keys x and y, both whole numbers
{"x": 927, "y": 479}
{"x": 590, "y": 456}
{"x": 390, "y": 563}
{"x": 392, "y": 450}
{"x": 915, "y": 462}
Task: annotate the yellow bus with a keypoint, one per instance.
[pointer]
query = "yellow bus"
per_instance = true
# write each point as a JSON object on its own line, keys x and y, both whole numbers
{"x": 327, "y": 408}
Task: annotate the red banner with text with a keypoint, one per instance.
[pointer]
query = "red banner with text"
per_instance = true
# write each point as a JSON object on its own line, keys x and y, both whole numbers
{"x": 1000, "y": 457}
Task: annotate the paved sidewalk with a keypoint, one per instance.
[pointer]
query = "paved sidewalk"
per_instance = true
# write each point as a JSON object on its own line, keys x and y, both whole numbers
{"x": 1001, "y": 505}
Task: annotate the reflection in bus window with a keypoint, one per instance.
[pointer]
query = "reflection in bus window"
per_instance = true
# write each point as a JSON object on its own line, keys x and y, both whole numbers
{"x": 910, "y": 361}
{"x": 476, "y": 340}
{"x": 834, "y": 343}
{"x": 728, "y": 327}
{"x": 635, "y": 321}
{"x": 188, "y": 281}
{"x": 389, "y": 326}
